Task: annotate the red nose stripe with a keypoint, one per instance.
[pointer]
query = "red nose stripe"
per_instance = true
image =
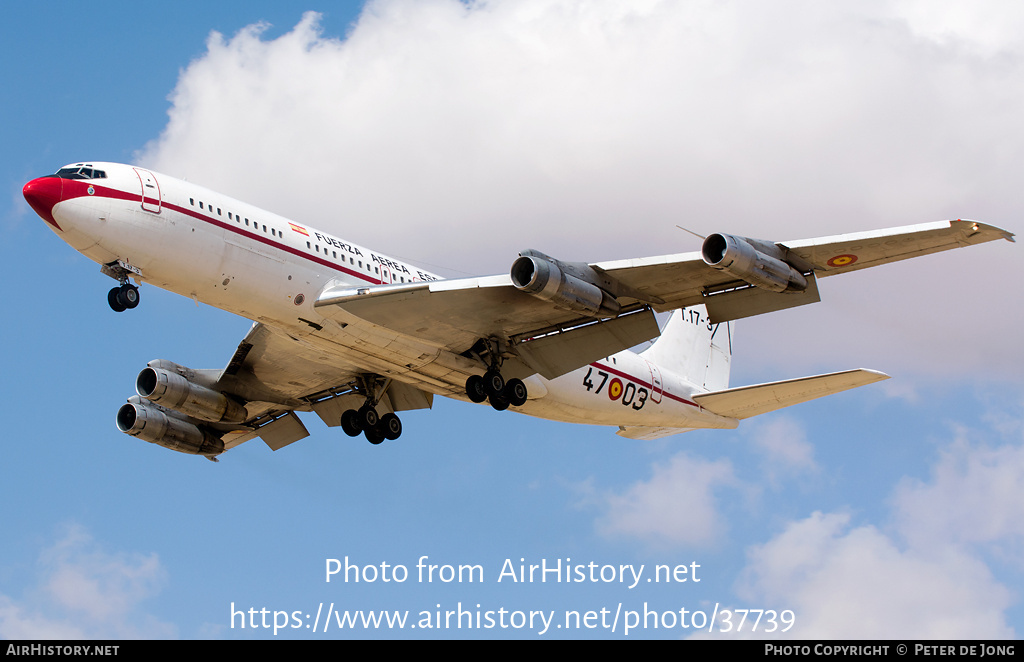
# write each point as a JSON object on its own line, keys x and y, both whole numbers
{"x": 42, "y": 194}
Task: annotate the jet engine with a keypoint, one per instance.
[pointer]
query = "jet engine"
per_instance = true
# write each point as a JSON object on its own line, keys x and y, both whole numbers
{"x": 174, "y": 391}
{"x": 760, "y": 263}
{"x": 142, "y": 419}
{"x": 572, "y": 286}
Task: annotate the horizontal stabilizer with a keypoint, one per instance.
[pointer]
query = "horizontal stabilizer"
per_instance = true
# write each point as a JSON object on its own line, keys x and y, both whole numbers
{"x": 647, "y": 433}
{"x": 746, "y": 401}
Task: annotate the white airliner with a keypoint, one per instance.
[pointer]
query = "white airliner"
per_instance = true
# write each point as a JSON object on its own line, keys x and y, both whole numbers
{"x": 356, "y": 336}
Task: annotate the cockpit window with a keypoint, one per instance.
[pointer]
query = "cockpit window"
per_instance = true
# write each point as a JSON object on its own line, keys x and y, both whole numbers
{"x": 81, "y": 171}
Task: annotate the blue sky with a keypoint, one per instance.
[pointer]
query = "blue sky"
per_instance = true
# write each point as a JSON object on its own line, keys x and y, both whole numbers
{"x": 456, "y": 135}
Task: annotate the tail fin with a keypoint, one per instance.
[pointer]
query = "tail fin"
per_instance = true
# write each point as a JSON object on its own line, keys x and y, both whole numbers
{"x": 694, "y": 348}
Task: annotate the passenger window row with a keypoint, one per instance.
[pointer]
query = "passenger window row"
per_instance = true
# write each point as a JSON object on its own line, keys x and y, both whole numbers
{"x": 369, "y": 268}
{"x": 237, "y": 218}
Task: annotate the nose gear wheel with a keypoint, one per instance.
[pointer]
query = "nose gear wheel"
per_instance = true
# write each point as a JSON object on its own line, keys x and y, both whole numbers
{"x": 123, "y": 298}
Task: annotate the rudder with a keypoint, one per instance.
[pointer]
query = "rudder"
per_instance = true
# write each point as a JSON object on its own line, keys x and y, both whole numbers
{"x": 694, "y": 348}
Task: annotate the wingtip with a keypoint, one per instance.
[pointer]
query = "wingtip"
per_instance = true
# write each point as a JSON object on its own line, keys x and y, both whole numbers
{"x": 977, "y": 228}
{"x": 877, "y": 374}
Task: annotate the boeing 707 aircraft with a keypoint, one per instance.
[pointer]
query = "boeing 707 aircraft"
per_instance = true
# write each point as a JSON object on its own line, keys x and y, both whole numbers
{"x": 357, "y": 336}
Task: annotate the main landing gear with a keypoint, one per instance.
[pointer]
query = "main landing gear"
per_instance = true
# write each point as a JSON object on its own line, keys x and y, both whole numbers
{"x": 493, "y": 387}
{"x": 365, "y": 419}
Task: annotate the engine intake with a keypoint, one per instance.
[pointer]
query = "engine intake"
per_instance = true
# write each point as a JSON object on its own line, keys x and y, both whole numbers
{"x": 174, "y": 391}
{"x": 150, "y": 424}
{"x": 759, "y": 263}
{"x": 549, "y": 279}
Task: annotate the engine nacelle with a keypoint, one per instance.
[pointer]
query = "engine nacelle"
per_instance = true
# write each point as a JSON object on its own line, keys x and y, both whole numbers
{"x": 759, "y": 263}
{"x": 548, "y": 279}
{"x": 174, "y": 391}
{"x": 152, "y": 425}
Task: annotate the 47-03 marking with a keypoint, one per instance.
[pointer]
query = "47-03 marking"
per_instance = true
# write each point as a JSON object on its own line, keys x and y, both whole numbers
{"x": 630, "y": 395}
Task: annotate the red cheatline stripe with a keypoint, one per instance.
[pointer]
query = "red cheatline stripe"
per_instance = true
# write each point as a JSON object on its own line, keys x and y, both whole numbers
{"x": 643, "y": 383}
{"x": 103, "y": 191}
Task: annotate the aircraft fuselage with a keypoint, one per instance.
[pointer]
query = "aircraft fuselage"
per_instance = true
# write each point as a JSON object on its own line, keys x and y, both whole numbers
{"x": 225, "y": 253}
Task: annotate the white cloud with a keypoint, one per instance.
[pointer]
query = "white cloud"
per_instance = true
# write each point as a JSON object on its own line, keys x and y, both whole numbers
{"x": 86, "y": 592}
{"x": 18, "y": 622}
{"x": 846, "y": 582}
{"x": 782, "y": 442}
{"x": 677, "y": 506}
{"x": 975, "y": 497}
{"x": 459, "y": 133}
{"x": 967, "y": 26}
{"x": 927, "y": 577}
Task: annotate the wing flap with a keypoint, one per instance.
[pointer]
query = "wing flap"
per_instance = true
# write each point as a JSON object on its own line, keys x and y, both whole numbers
{"x": 283, "y": 431}
{"x": 749, "y": 301}
{"x": 746, "y": 401}
{"x": 555, "y": 355}
{"x": 405, "y": 397}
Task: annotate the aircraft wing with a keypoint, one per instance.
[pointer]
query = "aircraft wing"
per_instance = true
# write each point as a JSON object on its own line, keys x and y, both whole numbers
{"x": 455, "y": 314}
{"x": 552, "y": 336}
{"x": 686, "y": 280}
{"x": 277, "y": 374}
{"x": 850, "y": 252}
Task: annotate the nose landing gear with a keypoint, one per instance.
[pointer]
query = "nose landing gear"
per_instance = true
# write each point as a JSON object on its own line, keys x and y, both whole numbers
{"x": 123, "y": 298}
{"x": 126, "y": 296}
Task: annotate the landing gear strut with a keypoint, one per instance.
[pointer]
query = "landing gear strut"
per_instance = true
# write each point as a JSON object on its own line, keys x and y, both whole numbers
{"x": 365, "y": 419}
{"x": 492, "y": 386}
